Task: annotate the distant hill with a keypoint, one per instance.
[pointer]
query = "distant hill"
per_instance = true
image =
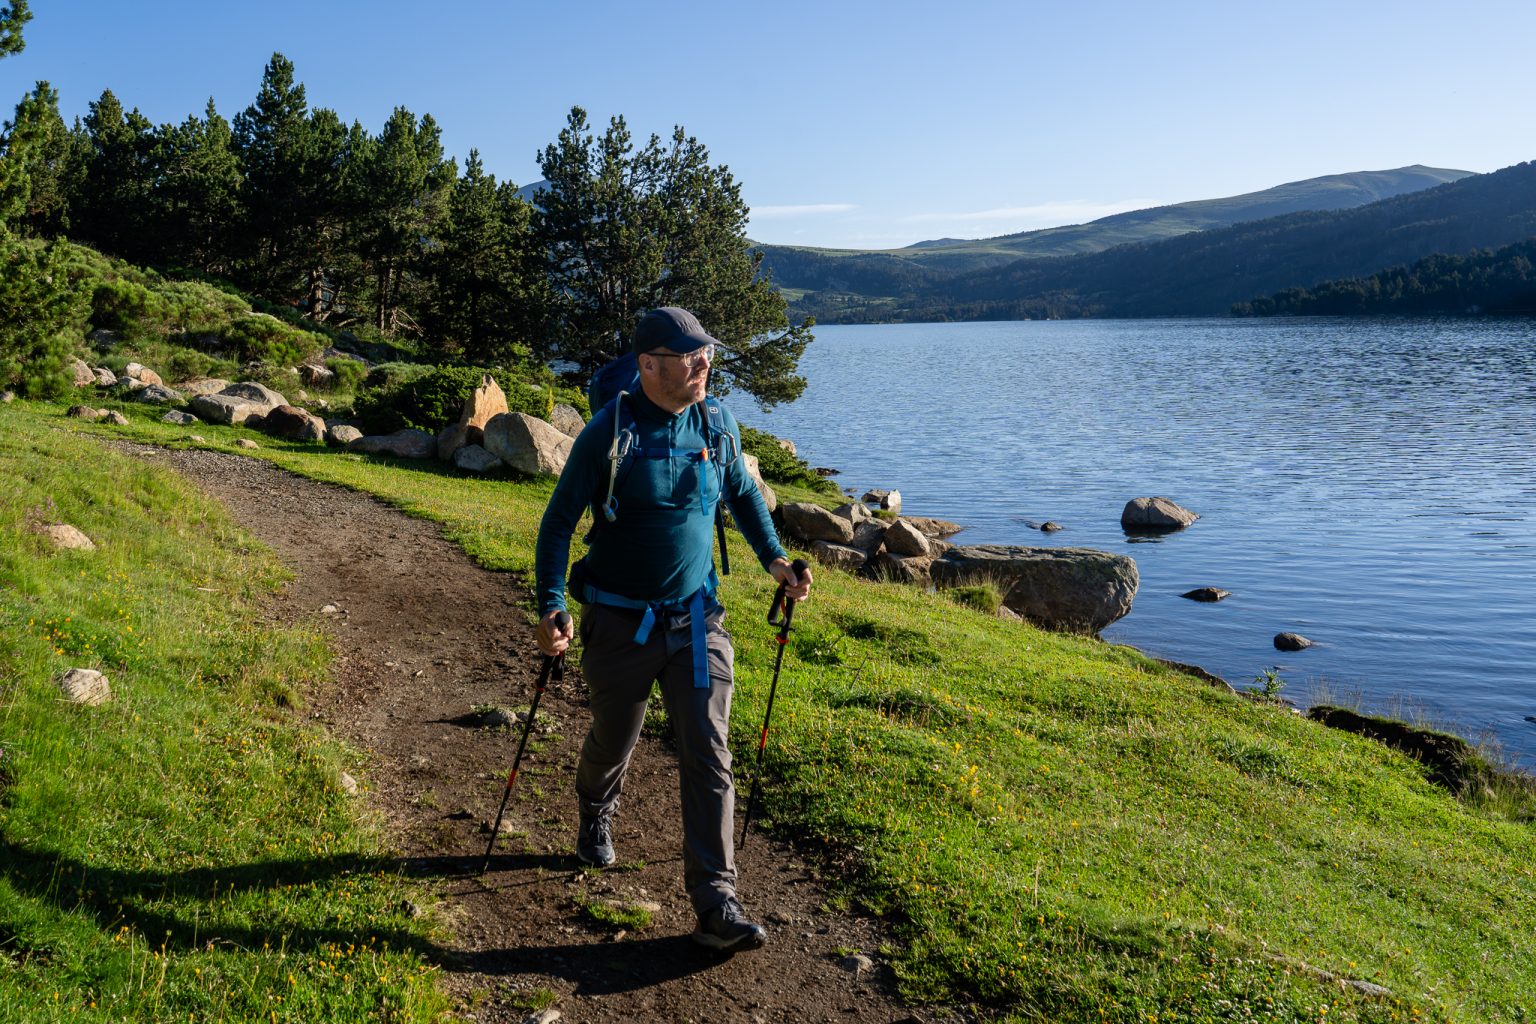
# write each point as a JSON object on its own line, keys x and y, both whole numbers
{"x": 889, "y": 274}
{"x": 1204, "y": 273}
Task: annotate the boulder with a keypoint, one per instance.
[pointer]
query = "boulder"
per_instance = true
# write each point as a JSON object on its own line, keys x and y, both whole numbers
{"x": 405, "y": 444}
{"x": 1206, "y": 594}
{"x": 902, "y": 538}
{"x": 1076, "y": 590}
{"x": 85, "y": 686}
{"x": 812, "y": 523}
{"x": 7, "y": 397}
{"x": 156, "y": 394}
{"x": 294, "y": 424}
{"x": 1155, "y": 515}
{"x": 934, "y": 527}
{"x": 316, "y": 376}
{"x": 341, "y": 434}
{"x": 566, "y": 419}
{"x": 888, "y": 500}
{"x": 788, "y": 445}
{"x": 903, "y": 568}
{"x": 756, "y": 473}
{"x": 202, "y": 386}
{"x": 455, "y": 436}
{"x": 1291, "y": 642}
{"x": 484, "y": 404}
{"x": 869, "y": 536}
{"x": 138, "y": 371}
{"x": 840, "y": 555}
{"x": 105, "y": 378}
{"x": 67, "y": 538}
{"x": 855, "y": 512}
{"x": 475, "y": 459}
{"x": 1050, "y": 526}
{"x": 246, "y": 442}
{"x": 527, "y": 444}
{"x": 83, "y": 412}
{"x": 237, "y": 403}
{"x": 179, "y": 417}
{"x": 82, "y": 373}
{"x": 127, "y": 386}
{"x": 115, "y": 418}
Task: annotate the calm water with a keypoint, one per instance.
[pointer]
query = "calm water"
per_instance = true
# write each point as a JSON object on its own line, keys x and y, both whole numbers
{"x": 1371, "y": 485}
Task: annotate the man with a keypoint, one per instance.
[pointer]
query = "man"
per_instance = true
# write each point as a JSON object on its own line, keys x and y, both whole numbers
{"x": 647, "y": 585}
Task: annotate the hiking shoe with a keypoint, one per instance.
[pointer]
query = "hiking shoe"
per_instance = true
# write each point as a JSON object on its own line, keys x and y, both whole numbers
{"x": 726, "y": 928}
{"x": 594, "y": 841}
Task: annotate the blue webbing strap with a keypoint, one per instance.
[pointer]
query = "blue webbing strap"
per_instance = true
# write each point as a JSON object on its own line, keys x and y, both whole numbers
{"x": 697, "y": 631}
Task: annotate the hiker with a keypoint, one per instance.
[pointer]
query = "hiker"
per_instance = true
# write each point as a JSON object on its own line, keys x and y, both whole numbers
{"x": 652, "y": 465}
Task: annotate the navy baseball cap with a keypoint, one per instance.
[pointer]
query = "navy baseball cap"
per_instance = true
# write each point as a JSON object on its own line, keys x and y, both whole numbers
{"x": 672, "y": 328}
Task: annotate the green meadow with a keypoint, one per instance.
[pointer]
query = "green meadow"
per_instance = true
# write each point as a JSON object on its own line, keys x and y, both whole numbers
{"x": 1059, "y": 829}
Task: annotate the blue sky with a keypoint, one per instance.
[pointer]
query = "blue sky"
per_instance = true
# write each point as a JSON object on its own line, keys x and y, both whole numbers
{"x": 863, "y": 124}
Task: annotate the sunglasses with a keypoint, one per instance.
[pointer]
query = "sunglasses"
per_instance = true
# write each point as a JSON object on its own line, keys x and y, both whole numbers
{"x": 692, "y": 359}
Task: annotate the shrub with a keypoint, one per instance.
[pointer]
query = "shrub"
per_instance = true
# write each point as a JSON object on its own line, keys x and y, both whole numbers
{"x": 430, "y": 400}
{"x": 984, "y": 597}
{"x": 258, "y": 337}
{"x": 39, "y": 318}
{"x": 776, "y": 463}
{"x": 349, "y": 373}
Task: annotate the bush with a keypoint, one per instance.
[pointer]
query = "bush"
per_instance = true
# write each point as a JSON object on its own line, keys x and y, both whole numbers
{"x": 983, "y": 597}
{"x": 432, "y": 399}
{"x": 39, "y": 318}
{"x": 349, "y": 373}
{"x": 776, "y": 463}
{"x": 258, "y": 337}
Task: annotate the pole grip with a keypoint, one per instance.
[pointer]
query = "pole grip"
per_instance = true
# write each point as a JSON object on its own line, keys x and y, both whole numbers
{"x": 798, "y": 567}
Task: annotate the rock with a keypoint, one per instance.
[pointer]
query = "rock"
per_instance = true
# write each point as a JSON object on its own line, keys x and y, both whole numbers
{"x": 548, "y": 1015}
{"x": 341, "y": 434}
{"x": 825, "y": 471}
{"x": 527, "y": 444}
{"x": 497, "y": 718}
{"x": 934, "y": 527}
{"x": 1291, "y": 642}
{"x": 788, "y": 445}
{"x": 566, "y": 419}
{"x": 7, "y": 397}
{"x": 856, "y": 963}
{"x": 115, "y": 418}
{"x": 406, "y": 444}
{"x": 347, "y": 783}
{"x": 869, "y": 536}
{"x": 138, "y": 371}
{"x": 316, "y": 376}
{"x": 1155, "y": 515}
{"x": 156, "y": 394}
{"x": 1367, "y": 988}
{"x": 246, "y": 442}
{"x": 1199, "y": 673}
{"x": 1206, "y": 594}
{"x": 475, "y": 459}
{"x": 905, "y": 539}
{"x": 294, "y": 424}
{"x": 888, "y": 500}
{"x": 105, "y": 378}
{"x": 82, "y": 373}
{"x": 812, "y": 522}
{"x": 330, "y": 609}
{"x": 756, "y": 473}
{"x": 903, "y": 568}
{"x": 484, "y": 404}
{"x": 201, "y": 386}
{"x": 855, "y": 512}
{"x": 127, "y": 386}
{"x": 102, "y": 338}
{"x": 67, "y": 538}
{"x": 1050, "y": 526}
{"x": 1077, "y": 590}
{"x": 83, "y": 412}
{"x": 1008, "y": 614}
{"x": 455, "y": 436}
{"x": 198, "y": 438}
{"x": 237, "y": 403}
{"x": 85, "y": 686}
{"x": 839, "y": 555}
{"x": 1452, "y": 761}
{"x": 179, "y": 417}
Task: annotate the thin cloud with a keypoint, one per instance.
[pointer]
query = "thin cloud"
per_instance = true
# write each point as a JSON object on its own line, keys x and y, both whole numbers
{"x": 805, "y": 210}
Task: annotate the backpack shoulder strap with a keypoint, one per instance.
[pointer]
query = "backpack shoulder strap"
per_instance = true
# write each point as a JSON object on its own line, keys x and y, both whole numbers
{"x": 623, "y": 441}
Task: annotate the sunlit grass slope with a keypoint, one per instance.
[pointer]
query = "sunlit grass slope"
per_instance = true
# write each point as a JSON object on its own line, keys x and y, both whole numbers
{"x": 1064, "y": 830}
{"x": 183, "y": 852}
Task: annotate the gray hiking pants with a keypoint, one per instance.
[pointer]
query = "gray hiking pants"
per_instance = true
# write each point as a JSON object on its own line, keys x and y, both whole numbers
{"x": 619, "y": 675}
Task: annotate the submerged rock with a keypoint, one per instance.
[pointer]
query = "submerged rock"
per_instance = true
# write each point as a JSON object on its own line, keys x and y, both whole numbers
{"x": 1155, "y": 515}
{"x": 1206, "y": 594}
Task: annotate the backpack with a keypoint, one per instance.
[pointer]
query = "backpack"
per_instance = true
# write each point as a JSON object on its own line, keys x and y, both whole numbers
{"x": 610, "y": 385}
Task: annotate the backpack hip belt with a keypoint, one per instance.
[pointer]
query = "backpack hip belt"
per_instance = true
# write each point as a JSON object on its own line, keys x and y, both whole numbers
{"x": 694, "y": 605}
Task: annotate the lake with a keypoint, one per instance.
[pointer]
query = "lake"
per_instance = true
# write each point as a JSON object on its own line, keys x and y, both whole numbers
{"x": 1368, "y": 484}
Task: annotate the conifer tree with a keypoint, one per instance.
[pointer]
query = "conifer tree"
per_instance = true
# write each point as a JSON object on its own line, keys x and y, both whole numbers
{"x": 34, "y": 156}
{"x": 12, "y": 18}
{"x": 197, "y": 197}
{"x": 112, "y": 202}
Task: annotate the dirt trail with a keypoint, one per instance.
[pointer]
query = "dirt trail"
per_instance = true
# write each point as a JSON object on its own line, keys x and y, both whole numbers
{"x": 424, "y": 635}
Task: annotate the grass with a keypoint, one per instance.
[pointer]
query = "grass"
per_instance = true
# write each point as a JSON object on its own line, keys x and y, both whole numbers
{"x": 1064, "y": 830}
{"x": 612, "y": 914}
{"x": 184, "y": 851}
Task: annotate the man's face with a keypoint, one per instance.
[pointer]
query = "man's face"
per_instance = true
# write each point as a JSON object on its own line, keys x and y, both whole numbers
{"x": 680, "y": 380}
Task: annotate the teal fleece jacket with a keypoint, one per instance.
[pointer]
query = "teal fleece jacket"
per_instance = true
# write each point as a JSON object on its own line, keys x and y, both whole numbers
{"x": 661, "y": 546}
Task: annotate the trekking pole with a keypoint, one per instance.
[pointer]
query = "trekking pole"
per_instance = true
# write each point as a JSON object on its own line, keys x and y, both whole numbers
{"x": 788, "y": 604}
{"x": 553, "y": 665}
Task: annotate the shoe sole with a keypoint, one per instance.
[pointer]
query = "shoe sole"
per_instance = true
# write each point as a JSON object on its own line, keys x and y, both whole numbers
{"x": 595, "y": 862}
{"x": 754, "y": 940}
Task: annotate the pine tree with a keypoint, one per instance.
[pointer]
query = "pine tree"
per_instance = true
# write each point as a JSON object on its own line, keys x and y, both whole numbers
{"x": 40, "y": 317}
{"x": 624, "y": 230}
{"x": 197, "y": 198}
{"x": 12, "y": 18}
{"x": 34, "y": 151}
{"x": 112, "y": 202}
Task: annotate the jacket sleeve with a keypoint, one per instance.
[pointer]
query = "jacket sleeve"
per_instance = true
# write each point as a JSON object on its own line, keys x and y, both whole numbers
{"x": 747, "y": 506}
{"x": 585, "y": 472}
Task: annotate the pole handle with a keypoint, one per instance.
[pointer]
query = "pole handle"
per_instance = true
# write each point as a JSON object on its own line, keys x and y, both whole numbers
{"x": 798, "y": 567}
